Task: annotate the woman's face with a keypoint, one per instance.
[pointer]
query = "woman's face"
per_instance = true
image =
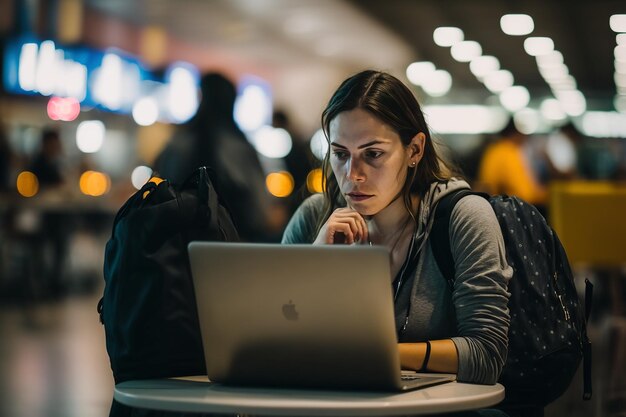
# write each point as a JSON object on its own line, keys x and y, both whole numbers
{"x": 369, "y": 160}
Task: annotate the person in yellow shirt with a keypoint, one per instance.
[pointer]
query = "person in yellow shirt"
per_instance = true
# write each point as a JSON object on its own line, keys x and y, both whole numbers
{"x": 505, "y": 169}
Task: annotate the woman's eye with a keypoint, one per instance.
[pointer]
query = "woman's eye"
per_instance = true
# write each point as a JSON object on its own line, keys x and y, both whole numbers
{"x": 340, "y": 154}
{"x": 373, "y": 154}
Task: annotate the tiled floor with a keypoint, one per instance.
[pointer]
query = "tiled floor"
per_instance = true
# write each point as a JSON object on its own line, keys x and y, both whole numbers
{"x": 53, "y": 363}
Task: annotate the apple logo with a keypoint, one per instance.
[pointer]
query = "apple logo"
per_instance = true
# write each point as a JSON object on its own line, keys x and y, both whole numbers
{"x": 289, "y": 311}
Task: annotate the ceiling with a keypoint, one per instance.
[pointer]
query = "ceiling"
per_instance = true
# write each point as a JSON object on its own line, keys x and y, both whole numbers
{"x": 580, "y": 31}
{"x": 306, "y": 47}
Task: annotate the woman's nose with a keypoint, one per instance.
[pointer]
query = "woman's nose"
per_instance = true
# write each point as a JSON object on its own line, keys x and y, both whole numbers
{"x": 355, "y": 171}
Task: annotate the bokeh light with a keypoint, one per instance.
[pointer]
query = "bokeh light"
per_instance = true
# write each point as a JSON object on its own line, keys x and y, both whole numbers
{"x": 253, "y": 108}
{"x": 418, "y": 72}
{"x": 314, "y": 181}
{"x": 272, "y": 142}
{"x": 183, "y": 92}
{"x": 447, "y": 36}
{"x": 279, "y": 184}
{"x": 63, "y": 108}
{"x": 465, "y": 51}
{"x": 90, "y": 136}
{"x": 517, "y": 24}
{"x": 94, "y": 183}
{"x": 27, "y": 184}
{"x": 438, "y": 84}
{"x": 140, "y": 176}
{"x": 146, "y": 111}
{"x": 319, "y": 144}
{"x": 515, "y": 98}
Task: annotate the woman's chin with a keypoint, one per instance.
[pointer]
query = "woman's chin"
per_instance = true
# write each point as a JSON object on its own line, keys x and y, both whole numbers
{"x": 366, "y": 214}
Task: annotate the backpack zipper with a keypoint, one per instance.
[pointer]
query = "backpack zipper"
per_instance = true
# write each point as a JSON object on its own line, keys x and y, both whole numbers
{"x": 560, "y": 297}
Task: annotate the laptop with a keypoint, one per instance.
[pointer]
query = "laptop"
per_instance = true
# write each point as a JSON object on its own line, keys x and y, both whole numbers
{"x": 299, "y": 316}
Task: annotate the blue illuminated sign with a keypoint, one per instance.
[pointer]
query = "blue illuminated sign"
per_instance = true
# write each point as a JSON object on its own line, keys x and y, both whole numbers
{"x": 111, "y": 80}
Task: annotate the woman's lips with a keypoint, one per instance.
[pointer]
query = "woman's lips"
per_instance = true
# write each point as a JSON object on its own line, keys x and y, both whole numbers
{"x": 358, "y": 196}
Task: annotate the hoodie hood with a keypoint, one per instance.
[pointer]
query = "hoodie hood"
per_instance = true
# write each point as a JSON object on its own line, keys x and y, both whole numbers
{"x": 428, "y": 204}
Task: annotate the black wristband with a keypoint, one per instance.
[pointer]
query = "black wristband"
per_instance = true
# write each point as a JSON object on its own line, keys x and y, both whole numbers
{"x": 426, "y": 357}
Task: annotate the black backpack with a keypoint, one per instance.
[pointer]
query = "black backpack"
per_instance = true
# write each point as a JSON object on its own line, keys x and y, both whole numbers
{"x": 547, "y": 335}
{"x": 148, "y": 308}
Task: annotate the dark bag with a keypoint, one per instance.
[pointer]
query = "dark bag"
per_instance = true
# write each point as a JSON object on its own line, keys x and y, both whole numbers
{"x": 148, "y": 308}
{"x": 547, "y": 335}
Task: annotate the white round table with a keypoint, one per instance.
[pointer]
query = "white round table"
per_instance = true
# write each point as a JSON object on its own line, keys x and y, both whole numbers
{"x": 197, "y": 394}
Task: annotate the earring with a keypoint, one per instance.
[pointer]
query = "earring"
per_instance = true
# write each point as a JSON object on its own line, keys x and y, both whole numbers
{"x": 412, "y": 164}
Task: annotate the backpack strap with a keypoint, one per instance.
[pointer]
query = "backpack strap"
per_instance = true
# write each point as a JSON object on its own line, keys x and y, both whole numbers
{"x": 440, "y": 233}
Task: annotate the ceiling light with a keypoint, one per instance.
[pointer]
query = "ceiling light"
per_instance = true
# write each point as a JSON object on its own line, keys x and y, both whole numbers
{"x": 620, "y": 53}
{"x": 538, "y": 45}
{"x": 517, "y": 24}
{"x": 618, "y": 22}
{"x": 549, "y": 60}
{"x": 447, "y": 35}
{"x": 620, "y": 79}
{"x": 438, "y": 84}
{"x": 620, "y": 103}
{"x": 515, "y": 98}
{"x": 468, "y": 119}
{"x": 565, "y": 83}
{"x": 498, "y": 81}
{"x": 484, "y": 65}
{"x": 527, "y": 120}
{"x": 620, "y": 39}
{"x": 551, "y": 109}
{"x": 604, "y": 124}
{"x": 572, "y": 101}
{"x": 620, "y": 66}
{"x": 554, "y": 73}
{"x": 466, "y": 51}
{"x": 417, "y": 72}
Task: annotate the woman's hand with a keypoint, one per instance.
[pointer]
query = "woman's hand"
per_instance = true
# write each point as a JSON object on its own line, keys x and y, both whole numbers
{"x": 343, "y": 226}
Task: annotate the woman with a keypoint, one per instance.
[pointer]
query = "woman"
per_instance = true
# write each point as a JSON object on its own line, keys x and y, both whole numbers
{"x": 383, "y": 179}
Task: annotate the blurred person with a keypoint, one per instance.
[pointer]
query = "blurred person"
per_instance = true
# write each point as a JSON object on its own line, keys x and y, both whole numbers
{"x": 212, "y": 138}
{"x": 299, "y": 161}
{"x": 384, "y": 179}
{"x": 599, "y": 158}
{"x": 505, "y": 169}
{"x": 56, "y": 223}
{"x": 47, "y": 162}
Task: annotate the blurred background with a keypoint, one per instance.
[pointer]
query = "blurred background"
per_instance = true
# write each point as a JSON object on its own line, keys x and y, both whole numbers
{"x": 96, "y": 95}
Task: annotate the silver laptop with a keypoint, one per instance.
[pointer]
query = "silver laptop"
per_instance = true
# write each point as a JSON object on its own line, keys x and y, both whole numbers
{"x": 299, "y": 316}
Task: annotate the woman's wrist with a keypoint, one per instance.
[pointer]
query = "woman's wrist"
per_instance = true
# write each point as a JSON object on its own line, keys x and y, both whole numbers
{"x": 412, "y": 355}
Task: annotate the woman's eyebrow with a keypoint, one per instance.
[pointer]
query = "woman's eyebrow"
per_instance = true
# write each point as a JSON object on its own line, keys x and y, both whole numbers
{"x": 365, "y": 145}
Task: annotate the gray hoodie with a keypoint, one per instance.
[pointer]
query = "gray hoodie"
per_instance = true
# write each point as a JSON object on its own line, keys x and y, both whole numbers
{"x": 475, "y": 313}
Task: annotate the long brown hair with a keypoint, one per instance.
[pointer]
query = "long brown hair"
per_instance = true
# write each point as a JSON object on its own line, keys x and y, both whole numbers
{"x": 389, "y": 100}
